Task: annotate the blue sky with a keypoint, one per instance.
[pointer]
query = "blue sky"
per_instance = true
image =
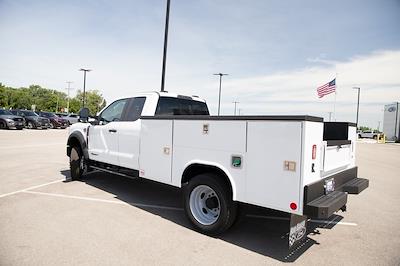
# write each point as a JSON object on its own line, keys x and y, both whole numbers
{"x": 276, "y": 52}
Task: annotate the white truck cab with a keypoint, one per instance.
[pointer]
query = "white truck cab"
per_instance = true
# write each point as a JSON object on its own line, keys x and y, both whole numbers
{"x": 295, "y": 164}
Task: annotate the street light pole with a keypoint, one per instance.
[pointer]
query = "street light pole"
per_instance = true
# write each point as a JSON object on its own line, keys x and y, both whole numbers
{"x": 165, "y": 46}
{"x": 84, "y": 84}
{"x": 69, "y": 87}
{"x": 235, "y": 102}
{"x": 219, "y": 94}
{"x": 358, "y": 103}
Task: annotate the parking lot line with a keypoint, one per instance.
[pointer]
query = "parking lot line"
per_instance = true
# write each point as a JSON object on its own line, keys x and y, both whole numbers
{"x": 29, "y": 188}
{"x": 311, "y": 220}
{"x": 104, "y": 200}
{"x": 330, "y": 222}
{"x": 32, "y": 146}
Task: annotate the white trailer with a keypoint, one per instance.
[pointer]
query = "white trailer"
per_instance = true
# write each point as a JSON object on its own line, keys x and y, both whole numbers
{"x": 295, "y": 164}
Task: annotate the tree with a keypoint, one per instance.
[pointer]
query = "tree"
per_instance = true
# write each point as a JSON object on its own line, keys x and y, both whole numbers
{"x": 3, "y": 96}
{"x": 93, "y": 100}
{"x": 364, "y": 128}
{"x": 47, "y": 99}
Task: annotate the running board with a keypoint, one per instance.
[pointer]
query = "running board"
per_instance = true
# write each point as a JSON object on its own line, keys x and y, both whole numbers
{"x": 113, "y": 172}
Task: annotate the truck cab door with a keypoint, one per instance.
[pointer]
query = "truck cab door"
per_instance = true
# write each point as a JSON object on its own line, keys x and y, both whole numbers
{"x": 129, "y": 134}
{"x": 103, "y": 138}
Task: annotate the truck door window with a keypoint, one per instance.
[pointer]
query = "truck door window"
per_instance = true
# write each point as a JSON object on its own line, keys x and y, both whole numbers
{"x": 113, "y": 112}
{"x": 134, "y": 109}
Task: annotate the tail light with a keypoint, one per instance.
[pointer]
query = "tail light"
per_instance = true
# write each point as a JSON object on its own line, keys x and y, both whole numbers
{"x": 314, "y": 151}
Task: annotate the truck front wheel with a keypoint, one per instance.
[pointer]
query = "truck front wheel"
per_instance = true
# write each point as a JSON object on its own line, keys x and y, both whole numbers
{"x": 208, "y": 204}
{"x": 76, "y": 163}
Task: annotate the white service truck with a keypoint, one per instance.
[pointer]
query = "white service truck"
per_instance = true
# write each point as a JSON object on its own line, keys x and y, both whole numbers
{"x": 295, "y": 164}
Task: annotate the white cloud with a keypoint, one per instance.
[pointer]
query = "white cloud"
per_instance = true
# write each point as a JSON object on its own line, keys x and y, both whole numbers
{"x": 295, "y": 92}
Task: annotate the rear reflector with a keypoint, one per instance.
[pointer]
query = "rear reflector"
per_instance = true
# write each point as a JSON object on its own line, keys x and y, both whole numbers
{"x": 293, "y": 206}
{"x": 314, "y": 151}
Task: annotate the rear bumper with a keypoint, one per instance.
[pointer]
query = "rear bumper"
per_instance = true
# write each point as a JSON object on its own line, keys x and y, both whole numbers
{"x": 318, "y": 204}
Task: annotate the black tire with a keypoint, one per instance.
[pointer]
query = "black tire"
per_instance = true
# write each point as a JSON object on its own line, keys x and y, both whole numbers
{"x": 76, "y": 163}
{"x": 30, "y": 125}
{"x": 375, "y": 137}
{"x": 52, "y": 126}
{"x": 3, "y": 125}
{"x": 359, "y": 136}
{"x": 227, "y": 207}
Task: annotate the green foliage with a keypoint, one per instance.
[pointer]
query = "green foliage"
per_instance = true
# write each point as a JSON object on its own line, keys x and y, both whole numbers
{"x": 47, "y": 99}
{"x": 93, "y": 100}
{"x": 363, "y": 128}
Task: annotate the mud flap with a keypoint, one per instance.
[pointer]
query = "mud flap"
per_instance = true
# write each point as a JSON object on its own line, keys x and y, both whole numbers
{"x": 298, "y": 230}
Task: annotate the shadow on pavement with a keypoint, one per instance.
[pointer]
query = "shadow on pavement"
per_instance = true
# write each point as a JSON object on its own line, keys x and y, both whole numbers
{"x": 257, "y": 229}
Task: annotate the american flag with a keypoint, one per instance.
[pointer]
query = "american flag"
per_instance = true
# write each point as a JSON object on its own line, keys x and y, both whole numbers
{"x": 327, "y": 88}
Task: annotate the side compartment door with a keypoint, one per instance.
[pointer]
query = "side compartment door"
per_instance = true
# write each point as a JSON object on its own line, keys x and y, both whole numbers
{"x": 156, "y": 150}
{"x": 103, "y": 138}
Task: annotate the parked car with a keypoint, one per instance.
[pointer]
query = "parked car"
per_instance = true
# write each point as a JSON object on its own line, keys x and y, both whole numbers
{"x": 55, "y": 120}
{"x": 32, "y": 120}
{"x": 368, "y": 134}
{"x": 10, "y": 121}
{"x": 72, "y": 118}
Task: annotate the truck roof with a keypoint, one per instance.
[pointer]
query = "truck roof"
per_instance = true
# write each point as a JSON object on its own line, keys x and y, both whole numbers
{"x": 175, "y": 95}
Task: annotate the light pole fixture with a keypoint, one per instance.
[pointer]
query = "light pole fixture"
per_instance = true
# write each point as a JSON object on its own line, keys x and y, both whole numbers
{"x": 235, "y": 102}
{"x": 164, "y": 63}
{"x": 219, "y": 94}
{"x": 84, "y": 84}
{"x": 358, "y": 103}
{"x": 68, "y": 89}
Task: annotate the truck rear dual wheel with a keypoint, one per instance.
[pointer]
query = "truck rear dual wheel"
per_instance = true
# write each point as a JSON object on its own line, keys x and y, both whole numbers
{"x": 208, "y": 204}
{"x": 76, "y": 163}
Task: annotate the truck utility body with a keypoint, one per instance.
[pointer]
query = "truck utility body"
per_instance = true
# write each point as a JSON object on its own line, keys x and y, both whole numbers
{"x": 295, "y": 164}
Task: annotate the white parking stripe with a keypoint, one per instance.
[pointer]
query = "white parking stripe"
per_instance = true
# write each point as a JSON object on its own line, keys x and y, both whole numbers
{"x": 311, "y": 220}
{"x": 105, "y": 201}
{"x": 268, "y": 217}
{"x": 329, "y": 222}
{"x": 29, "y": 188}
{"x": 32, "y": 146}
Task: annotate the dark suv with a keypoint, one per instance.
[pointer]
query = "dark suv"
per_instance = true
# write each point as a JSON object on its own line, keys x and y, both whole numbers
{"x": 32, "y": 120}
{"x": 9, "y": 121}
{"x": 55, "y": 121}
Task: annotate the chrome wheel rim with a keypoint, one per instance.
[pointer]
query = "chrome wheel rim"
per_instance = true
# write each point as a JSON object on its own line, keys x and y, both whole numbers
{"x": 204, "y": 205}
{"x": 30, "y": 126}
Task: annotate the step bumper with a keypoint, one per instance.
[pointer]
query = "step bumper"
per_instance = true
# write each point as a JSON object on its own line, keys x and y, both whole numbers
{"x": 320, "y": 204}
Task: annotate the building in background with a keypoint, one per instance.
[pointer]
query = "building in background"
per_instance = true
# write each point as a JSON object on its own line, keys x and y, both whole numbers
{"x": 391, "y": 121}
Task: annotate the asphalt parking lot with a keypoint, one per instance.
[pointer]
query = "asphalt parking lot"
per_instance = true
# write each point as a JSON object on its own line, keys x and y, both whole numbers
{"x": 106, "y": 219}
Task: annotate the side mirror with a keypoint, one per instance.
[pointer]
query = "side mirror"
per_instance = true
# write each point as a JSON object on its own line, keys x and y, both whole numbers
{"x": 94, "y": 121}
{"x": 84, "y": 114}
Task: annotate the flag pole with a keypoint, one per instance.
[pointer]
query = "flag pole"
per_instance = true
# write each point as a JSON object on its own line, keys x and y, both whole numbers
{"x": 334, "y": 104}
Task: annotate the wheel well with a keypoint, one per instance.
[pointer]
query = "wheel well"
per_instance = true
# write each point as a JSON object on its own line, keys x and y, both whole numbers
{"x": 196, "y": 169}
{"x": 71, "y": 143}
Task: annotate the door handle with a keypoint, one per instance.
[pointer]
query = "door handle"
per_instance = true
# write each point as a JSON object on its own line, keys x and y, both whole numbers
{"x": 112, "y": 130}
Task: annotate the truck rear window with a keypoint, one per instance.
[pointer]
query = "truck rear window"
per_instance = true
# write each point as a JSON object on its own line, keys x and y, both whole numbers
{"x": 177, "y": 106}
